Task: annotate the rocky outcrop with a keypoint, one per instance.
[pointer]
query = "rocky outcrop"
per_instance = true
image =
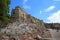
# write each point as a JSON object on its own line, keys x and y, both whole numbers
{"x": 24, "y": 31}
{"x": 24, "y": 27}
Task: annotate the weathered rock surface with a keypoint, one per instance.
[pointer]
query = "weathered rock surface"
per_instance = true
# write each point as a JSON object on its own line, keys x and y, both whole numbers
{"x": 24, "y": 30}
{"x": 24, "y": 27}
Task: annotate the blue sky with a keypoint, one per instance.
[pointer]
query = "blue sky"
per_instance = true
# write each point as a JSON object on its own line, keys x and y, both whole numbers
{"x": 46, "y": 10}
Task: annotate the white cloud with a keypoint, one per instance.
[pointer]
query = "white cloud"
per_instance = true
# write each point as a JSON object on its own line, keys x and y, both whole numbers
{"x": 24, "y": 1}
{"x": 25, "y": 6}
{"x": 40, "y": 12}
{"x": 49, "y": 8}
{"x": 54, "y": 18}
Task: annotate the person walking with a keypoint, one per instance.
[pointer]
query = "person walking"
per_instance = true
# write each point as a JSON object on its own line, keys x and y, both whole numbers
{"x": 57, "y": 29}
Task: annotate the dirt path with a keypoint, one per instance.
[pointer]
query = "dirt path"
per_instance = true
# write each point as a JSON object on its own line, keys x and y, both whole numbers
{"x": 55, "y": 34}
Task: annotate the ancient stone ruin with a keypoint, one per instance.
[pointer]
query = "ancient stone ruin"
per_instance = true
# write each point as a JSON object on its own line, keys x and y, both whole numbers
{"x": 24, "y": 27}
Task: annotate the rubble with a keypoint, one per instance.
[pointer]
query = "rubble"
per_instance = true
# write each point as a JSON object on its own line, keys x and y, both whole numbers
{"x": 23, "y": 31}
{"x": 24, "y": 27}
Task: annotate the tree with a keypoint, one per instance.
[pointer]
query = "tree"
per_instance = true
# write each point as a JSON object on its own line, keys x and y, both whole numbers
{"x": 4, "y": 10}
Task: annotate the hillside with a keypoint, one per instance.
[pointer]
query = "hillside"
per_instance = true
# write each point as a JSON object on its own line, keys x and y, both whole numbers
{"x": 24, "y": 27}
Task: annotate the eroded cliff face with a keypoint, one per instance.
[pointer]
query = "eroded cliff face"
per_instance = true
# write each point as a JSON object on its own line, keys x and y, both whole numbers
{"x": 24, "y": 27}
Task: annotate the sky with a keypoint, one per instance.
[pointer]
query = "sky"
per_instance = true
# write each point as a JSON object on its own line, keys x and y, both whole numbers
{"x": 46, "y": 10}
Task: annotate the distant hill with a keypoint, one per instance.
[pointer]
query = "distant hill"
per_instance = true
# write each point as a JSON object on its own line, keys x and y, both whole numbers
{"x": 52, "y": 25}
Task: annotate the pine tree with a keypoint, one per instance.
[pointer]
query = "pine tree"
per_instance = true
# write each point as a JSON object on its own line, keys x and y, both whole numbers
{"x": 4, "y": 11}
